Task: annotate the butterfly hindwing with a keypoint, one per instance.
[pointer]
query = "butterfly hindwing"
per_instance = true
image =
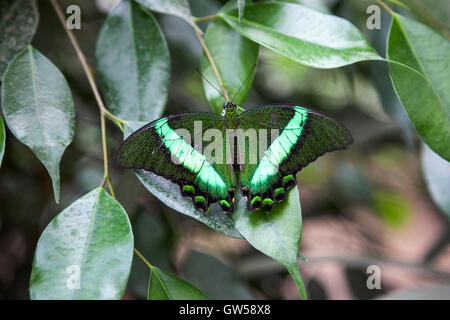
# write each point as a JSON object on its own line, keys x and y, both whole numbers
{"x": 302, "y": 136}
{"x": 173, "y": 148}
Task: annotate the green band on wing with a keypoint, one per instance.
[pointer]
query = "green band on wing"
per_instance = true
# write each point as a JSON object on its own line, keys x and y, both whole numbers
{"x": 207, "y": 178}
{"x": 279, "y": 150}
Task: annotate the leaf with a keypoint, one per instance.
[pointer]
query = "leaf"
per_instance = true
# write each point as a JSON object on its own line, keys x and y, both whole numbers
{"x": 169, "y": 194}
{"x": 179, "y": 8}
{"x": 2, "y": 139}
{"x": 38, "y": 108}
{"x": 424, "y": 95}
{"x": 276, "y": 234}
{"x": 85, "y": 252}
{"x": 241, "y": 8}
{"x": 133, "y": 63}
{"x": 302, "y": 34}
{"x": 18, "y": 23}
{"x": 392, "y": 207}
{"x": 318, "y": 5}
{"x": 235, "y": 57}
{"x": 436, "y": 172}
{"x": 215, "y": 278}
{"x": 164, "y": 286}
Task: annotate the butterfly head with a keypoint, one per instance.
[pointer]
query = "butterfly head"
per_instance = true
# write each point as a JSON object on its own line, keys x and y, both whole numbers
{"x": 229, "y": 105}
{"x": 230, "y": 114}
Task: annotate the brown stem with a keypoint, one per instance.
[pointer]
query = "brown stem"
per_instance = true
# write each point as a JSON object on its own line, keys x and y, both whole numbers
{"x": 136, "y": 251}
{"x": 213, "y": 65}
{"x": 205, "y": 18}
{"x": 103, "y": 111}
{"x": 385, "y": 7}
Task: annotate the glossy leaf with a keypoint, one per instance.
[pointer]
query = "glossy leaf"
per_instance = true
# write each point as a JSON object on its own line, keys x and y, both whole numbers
{"x": 302, "y": 34}
{"x": 38, "y": 108}
{"x": 276, "y": 234}
{"x": 235, "y": 57}
{"x": 169, "y": 194}
{"x": 2, "y": 139}
{"x": 18, "y": 23}
{"x": 164, "y": 286}
{"x": 214, "y": 278}
{"x": 318, "y": 5}
{"x": 179, "y": 8}
{"x": 436, "y": 172}
{"x": 424, "y": 95}
{"x": 85, "y": 252}
{"x": 133, "y": 63}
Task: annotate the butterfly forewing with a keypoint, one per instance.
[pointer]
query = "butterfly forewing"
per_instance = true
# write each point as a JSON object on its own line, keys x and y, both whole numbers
{"x": 174, "y": 148}
{"x": 302, "y": 136}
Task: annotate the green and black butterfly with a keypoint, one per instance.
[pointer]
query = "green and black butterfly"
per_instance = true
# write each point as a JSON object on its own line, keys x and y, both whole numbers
{"x": 287, "y": 139}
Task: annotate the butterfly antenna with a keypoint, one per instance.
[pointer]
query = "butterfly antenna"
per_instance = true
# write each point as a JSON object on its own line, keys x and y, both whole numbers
{"x": 210, "y": 83}
{"x": 245, "y": 81}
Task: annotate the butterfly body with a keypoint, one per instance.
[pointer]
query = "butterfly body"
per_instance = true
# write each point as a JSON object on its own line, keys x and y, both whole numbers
{"x": 257, "y": 152}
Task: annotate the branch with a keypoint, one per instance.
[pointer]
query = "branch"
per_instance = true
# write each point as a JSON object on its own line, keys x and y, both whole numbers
{"x": 213, "y": 65}
{"x": 103, "y": 111}
{"x": 385, "y": 7}
{"x": 136, "y": 251}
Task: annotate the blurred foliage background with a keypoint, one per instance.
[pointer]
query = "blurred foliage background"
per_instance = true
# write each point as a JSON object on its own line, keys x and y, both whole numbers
{"x": 365, "y": 206}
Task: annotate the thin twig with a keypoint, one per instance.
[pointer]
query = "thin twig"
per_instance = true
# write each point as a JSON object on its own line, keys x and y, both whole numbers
{"x": 385, "y": 7}
{"x": 84, "y": 63}
{"x": 205, "y": 18}
{"x": 103, "y": 111}
{"x": 213, "y": 65}
{"x": 136, "y": 251}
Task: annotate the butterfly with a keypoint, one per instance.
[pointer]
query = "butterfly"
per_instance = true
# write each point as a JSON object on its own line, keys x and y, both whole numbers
{"x": 260, "y": 150}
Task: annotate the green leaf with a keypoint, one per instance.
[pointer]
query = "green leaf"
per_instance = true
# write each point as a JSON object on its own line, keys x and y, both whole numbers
{"x": 133, "y": 63}
{"x": 392, "y": 207}
{"x": 85, "y": 252}
{"x": 169, "y": 194}
{"x": 18, "y": 23}
{"x": 216, "y": 279}
{"x": 38, "y": 108}
{"x": 179, "y": 8}
{"x": 2, "y": 139}
{"x": 318, "y": 5}
{"x": 276, "y": 234}
{"x": 424, "y": 94}
{"x": 235, "y": 57}
{"x": 164, "y": 286}
{"x": 241, "y": 8}
{"x": 436, "y": 172}
{"x": 302, "y": 34}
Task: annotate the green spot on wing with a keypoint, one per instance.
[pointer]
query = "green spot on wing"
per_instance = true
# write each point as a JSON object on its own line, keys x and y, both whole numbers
{"x": 278, "y": 191}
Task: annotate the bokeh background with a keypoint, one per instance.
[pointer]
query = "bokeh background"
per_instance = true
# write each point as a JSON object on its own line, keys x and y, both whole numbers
{"x": 368, "y": 205}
